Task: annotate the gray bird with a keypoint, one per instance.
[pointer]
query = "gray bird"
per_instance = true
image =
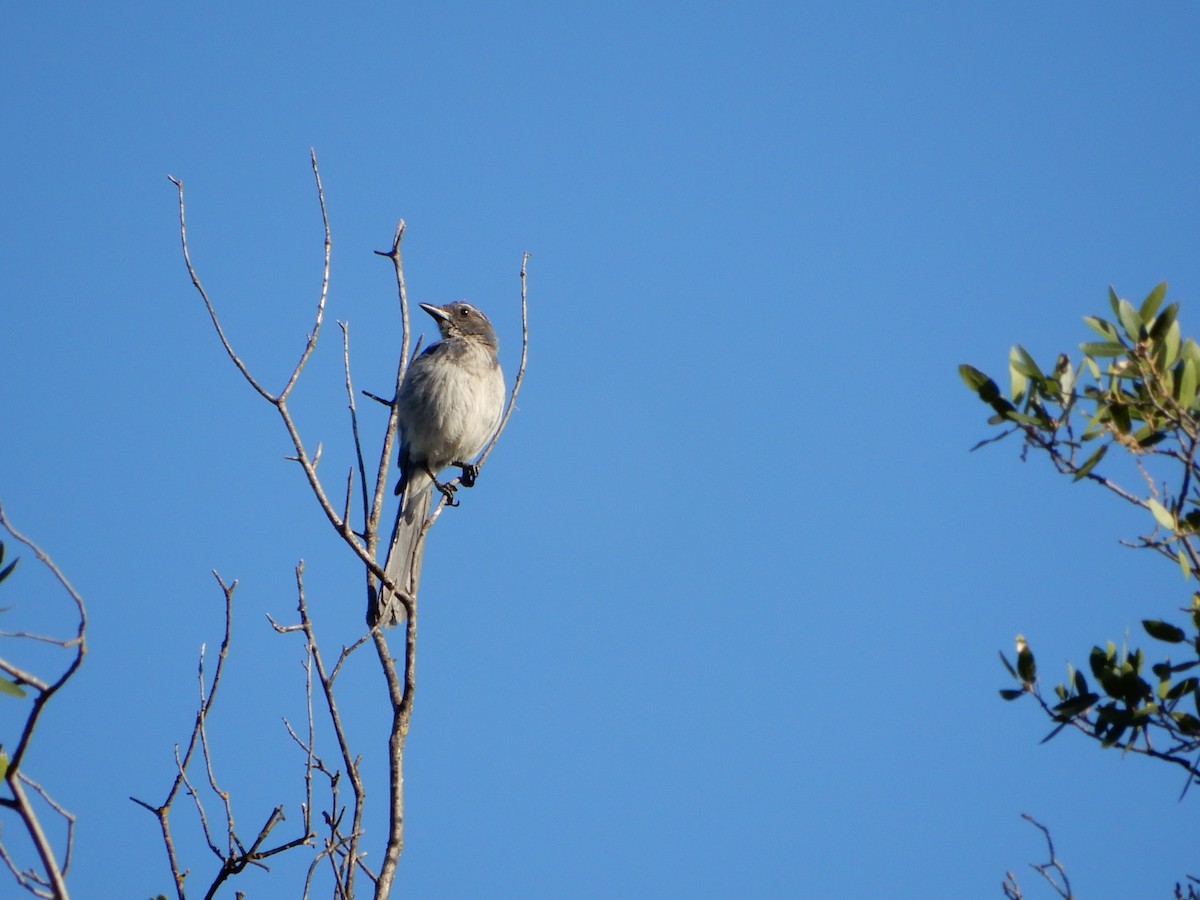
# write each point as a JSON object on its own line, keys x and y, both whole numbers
{"x": 448, "y": 408}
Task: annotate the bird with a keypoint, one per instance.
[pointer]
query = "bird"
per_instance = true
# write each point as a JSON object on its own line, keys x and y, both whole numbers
{"x": 447, "y": 409}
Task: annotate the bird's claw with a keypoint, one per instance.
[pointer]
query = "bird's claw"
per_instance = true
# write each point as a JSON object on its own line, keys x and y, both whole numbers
{"x": 448, "y": 489}
{"x": 470, "y": 472}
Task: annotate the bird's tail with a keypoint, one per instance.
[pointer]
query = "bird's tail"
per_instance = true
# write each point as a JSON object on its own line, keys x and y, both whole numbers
{"x": 403, "y": 566}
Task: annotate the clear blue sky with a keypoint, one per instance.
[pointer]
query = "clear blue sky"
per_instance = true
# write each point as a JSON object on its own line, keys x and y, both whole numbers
{"x": 721, "y": 617}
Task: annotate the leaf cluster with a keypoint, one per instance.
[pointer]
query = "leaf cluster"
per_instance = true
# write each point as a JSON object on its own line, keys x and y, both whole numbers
{"x": 1132, "y": 397}
{"x": 1136, "y": 390}
{"x": 1129, "y": 705}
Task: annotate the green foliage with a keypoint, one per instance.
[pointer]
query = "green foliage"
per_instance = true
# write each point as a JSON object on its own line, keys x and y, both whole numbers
{"x": 1125, "y": 417}
{"x": 1125, "y": 705}
{"x": 11, "y": 688}
{"x": 6, "y": 570}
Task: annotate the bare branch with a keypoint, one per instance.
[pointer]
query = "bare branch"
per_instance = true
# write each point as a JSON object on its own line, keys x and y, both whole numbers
{"x": 206, "y": 754}
{"x": 236, "y": 856}
{"x": 52, "y": 876}
{"x": 341, "y": 844}
{"x": 212, "y": 313}
{"x": 66, "y": 815}
{"x": 345, "y": 876}
{"x": 358, "y": 451}
{"x": 1048, "y": 869}
{"x": 389, "y": 433}
{"x": 309, "y": 466}
{"x": 512, "y": 400}
{"x": 20, "y": 676}
{"x": 316, "y": 329}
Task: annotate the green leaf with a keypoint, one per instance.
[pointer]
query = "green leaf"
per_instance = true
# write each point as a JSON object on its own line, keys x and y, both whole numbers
{"x": 1148, "y": 437}
{"x": 1120, "y": 417}
{"x": 1191, "y": 350}
{"x": 1161, "y": 515}
{"x": 1130, "y": 320}
{"x": 1183, "y": 565}
{"x": 11, "y": 688}
{"x": 1103, "y": 348}
{"x": 1163, "y": 631}
{"x": 1113, "y": 734}
{"x": 1171, "y": 345}
{"x": 1013, "y": 416}
{"x": 1065, "y": 375}
{"x": 1069, "y": 709}
{"x": 1053, "y": 733}
{"x": 1166, "y": 352}
{"x": 1091, "y": 462}
{"x": 1008, "y": 665}
{"x": 1018, "y": 378}
{"x": 1030, "y": 367}
{"x": 1152, "y": 302}
{"x": 1187, "y": 723}
{"x": 1114, "y": 301}
{"x": 1080, "y": 683}
{"x": 1102, "y": 661}
{"x": 1011, "y": 693}
{"x": 972, "y": 376}
{"x": 1187, "y": 686}
{"x": 1163, "y": 321}
{"x": 1187, "y": 383}
{"x": 7, "y": 570}
{"x": 1101, "y": 327}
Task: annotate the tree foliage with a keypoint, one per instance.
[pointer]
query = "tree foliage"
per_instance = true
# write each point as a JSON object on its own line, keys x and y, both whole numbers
{"x": 1125, "y": 417}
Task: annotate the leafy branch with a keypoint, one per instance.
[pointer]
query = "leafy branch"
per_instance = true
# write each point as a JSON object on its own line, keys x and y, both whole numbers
{"x": 1126, "y": 418}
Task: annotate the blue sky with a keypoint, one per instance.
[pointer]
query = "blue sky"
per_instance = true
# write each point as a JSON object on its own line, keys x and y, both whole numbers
{"x": 721, "y": 617}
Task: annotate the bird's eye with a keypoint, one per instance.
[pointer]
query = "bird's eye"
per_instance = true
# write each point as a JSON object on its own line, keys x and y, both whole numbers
{"x": 465, "y": 312}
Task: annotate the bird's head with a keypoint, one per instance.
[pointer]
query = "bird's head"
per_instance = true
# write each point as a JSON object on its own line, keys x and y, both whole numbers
{"x": 461, "y": 319}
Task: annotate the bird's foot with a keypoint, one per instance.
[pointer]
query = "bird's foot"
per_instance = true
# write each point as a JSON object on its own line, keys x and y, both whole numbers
{"x": 447, "y": 488}
{"x": 470, "y": 472}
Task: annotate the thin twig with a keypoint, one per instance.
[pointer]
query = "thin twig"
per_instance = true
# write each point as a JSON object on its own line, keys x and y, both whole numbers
{"x": 325, "y": 680}
{"x": 311, "y": 344}
{"x": 212, "y": 312}
{"x": 389, "y": 432}
{"x": 1045, "y": 869}
{"x": 206, "y": 754}
{"x": 358, "y": 451}
{"x": 512, "y": 400}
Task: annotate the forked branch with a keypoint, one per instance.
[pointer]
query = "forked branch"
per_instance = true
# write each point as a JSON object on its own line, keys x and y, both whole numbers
{"x": 341, "y": 844}
{"x": 50, "y": 881}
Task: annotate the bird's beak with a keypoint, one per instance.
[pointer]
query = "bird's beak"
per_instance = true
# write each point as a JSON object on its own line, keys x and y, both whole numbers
{"x": 439, "y": 314}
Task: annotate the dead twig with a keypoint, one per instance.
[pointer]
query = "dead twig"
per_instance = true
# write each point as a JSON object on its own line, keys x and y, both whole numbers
{"x": 236, "y": 856}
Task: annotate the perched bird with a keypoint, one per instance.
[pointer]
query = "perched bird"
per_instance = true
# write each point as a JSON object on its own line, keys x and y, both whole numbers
{"x": 448, "y": 407}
